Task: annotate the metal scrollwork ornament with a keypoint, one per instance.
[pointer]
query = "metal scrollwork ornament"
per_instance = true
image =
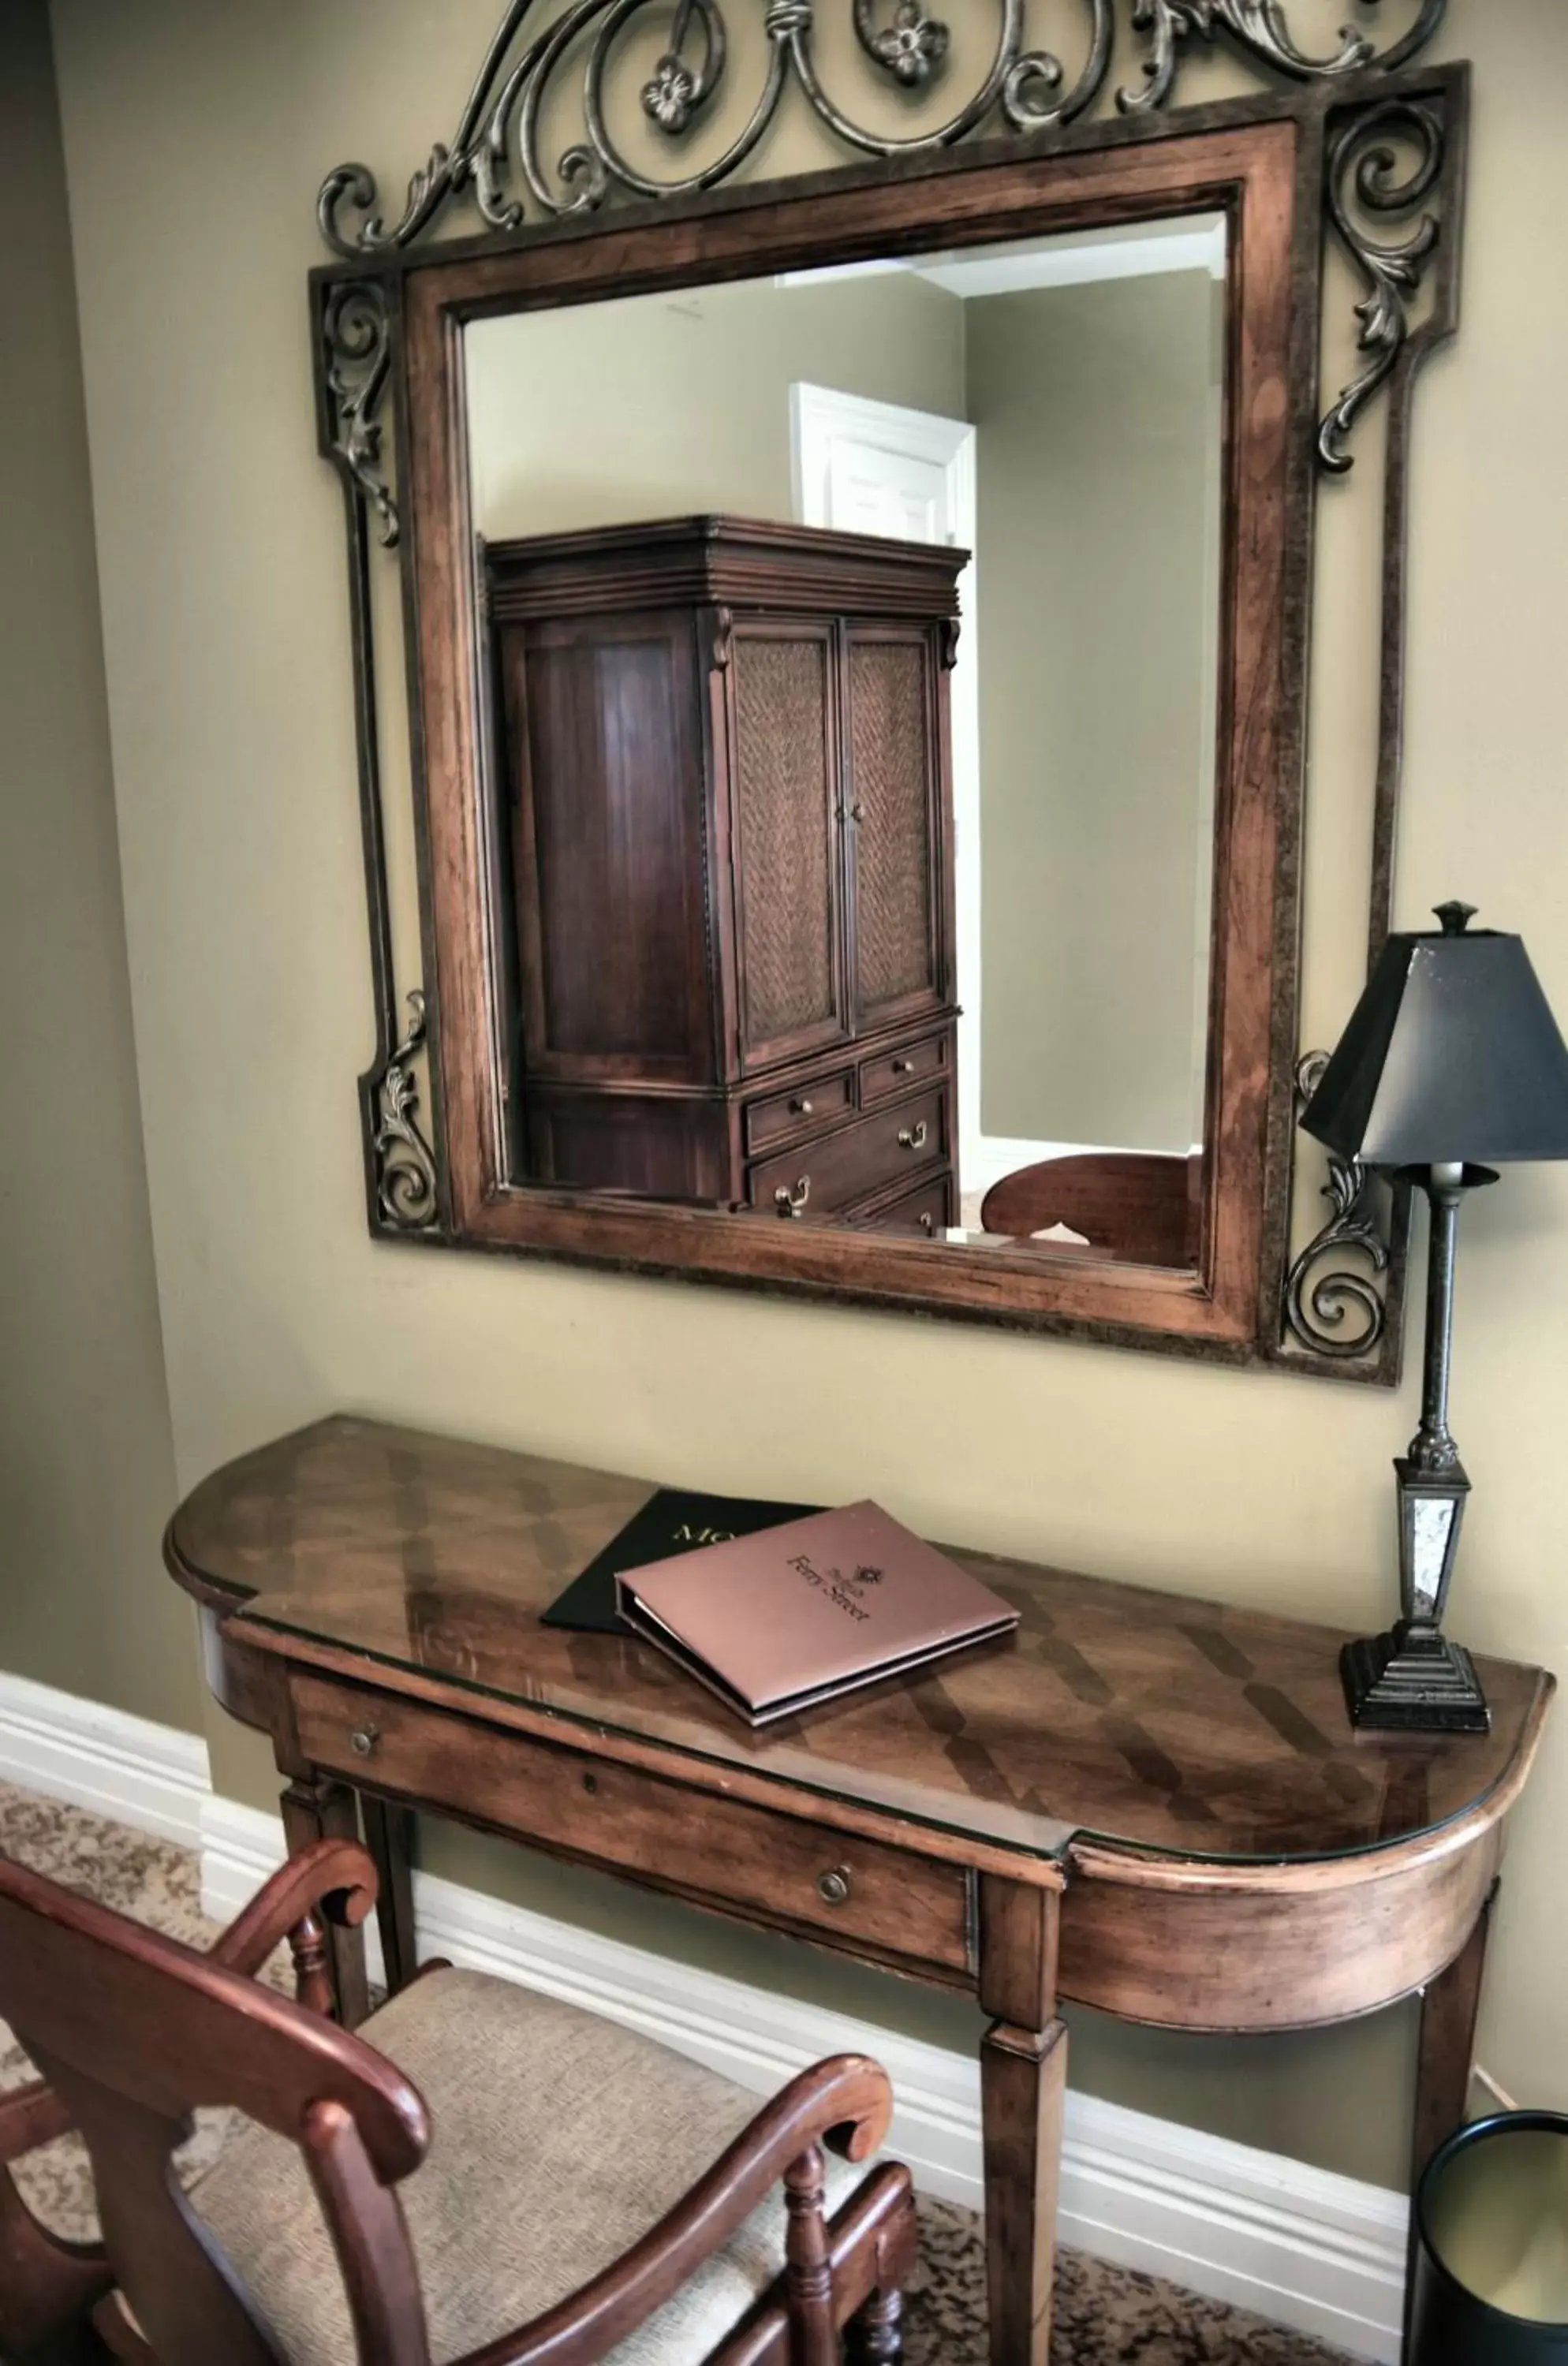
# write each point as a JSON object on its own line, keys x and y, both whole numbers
{"x": 495, "y": 150}
{"x": 1366, "y": 177}
{"x": 678, "y": 90}
{"x": 1262, "y": 28}
{"x": 405, "y": 1165}
{"x": 358, "y": 341}
{"x": 911, "y": 47}
{"x": 1339, "y": 1313}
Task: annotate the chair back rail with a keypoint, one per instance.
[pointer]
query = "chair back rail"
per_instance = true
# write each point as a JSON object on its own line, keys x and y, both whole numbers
{"x": 1139, "y": 1207}
{"x": 134, "y": 2033}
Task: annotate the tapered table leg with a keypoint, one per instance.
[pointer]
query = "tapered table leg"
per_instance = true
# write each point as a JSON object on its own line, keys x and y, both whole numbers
{"x": 1024, "y": 2077}
{"x": 389, "y": 1836}
{"x": 315, "y": 1809}
{"x": 1449, "y": 2012}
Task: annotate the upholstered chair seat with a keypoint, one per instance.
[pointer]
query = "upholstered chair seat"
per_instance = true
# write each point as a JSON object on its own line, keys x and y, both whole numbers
{"x": 478, "y": 2174}
{"x": 558, "y": 2139}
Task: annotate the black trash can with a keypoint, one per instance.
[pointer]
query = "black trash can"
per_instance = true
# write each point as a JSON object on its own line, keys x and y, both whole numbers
{"x": 1490, "y": 2254}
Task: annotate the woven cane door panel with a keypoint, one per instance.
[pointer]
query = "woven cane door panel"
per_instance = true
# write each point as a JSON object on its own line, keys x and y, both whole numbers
{"x": 785, "y": 796}
{"x": 891, "y": 758}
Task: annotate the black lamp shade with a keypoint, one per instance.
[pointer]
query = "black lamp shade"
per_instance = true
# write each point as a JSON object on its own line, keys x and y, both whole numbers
{"x": 1451, "y": 1054}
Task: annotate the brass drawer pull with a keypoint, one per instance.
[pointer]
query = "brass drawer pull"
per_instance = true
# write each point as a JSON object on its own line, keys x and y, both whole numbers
{"x": 792, "y": 1203}
{"x": 362, "y": 1741}
{"x": 928, "y": 1223}
{"x": 903, "y": 1068}
{"x": 800, "y": 1108}
{"x": 833, "y": 1888}
{"x": 912, "y": 1137}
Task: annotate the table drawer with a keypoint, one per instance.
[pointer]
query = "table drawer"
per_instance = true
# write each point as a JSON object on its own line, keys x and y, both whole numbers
{"x": 825, "y": 1176}
{"x": 899, "y": 1071}
{"x": 804, "y": 1109}
{"x": 859, "y": 1894}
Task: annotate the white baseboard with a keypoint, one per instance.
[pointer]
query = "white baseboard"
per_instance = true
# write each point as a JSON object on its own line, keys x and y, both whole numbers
{"x": 1324, "y": 2255}
{"x": 116, "y": 1765}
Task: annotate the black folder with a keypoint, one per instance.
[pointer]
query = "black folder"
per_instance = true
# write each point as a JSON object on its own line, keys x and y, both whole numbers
{"x": 671, "y": 1521}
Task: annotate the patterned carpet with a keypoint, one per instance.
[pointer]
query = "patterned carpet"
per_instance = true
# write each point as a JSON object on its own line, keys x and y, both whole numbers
{"x": 1105, "y": 2316}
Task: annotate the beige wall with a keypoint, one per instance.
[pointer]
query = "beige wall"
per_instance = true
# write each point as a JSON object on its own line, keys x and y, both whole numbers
{"x": 659, "y": 406}
{"x": 85, "y": 1457}
{"x": 1098, "y": 424}
{"x": 196, "y": 137}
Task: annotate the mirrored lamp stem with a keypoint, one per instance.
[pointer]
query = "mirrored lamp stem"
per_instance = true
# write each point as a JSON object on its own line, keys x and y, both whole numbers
{"x": 1414, "y": 1679}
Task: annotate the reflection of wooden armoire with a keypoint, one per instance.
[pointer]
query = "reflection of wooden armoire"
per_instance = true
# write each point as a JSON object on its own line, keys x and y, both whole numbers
{"x": 723, "y": 749}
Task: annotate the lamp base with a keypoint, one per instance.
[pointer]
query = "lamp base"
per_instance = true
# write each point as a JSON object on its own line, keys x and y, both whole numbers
{"x": 1413, "y": 1680}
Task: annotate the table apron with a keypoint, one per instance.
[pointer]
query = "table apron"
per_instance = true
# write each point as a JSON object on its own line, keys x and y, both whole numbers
{"x": 1295, "y": 1957}
{"x": 862, "y": 1897}
{"x": 1302, "y": 1955}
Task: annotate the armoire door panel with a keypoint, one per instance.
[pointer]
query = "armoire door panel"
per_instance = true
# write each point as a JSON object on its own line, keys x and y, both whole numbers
{"x": 605, "y": 715}
{"x": 891, "y": 790}
{"x": 785, "y": 838}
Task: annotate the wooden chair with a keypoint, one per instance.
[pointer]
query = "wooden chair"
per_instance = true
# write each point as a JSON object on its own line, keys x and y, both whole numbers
{"x": 559, "y": 2201}
{"x": 1138, "y": 1207}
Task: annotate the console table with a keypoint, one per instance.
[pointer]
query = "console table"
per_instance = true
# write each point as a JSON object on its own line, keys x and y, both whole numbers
{"x": 1146, "y": 1802}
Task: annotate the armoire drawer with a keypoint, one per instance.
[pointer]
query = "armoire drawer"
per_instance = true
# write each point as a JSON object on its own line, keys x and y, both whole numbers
{"x": 927, "y": 1211}
{"x": 863, "y": 1895}
{"x": 898, "y": 1072}
{"x": 826, "y": 1176}
{"x": 804, "y": 1109}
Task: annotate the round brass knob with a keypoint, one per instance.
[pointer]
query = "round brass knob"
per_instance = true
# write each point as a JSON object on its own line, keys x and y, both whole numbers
{"x": 364, "y": 1742}
{"x": 800, "y": 1108}
{"x": 833, "y": 1888}
{"x": 903, "y": 1068}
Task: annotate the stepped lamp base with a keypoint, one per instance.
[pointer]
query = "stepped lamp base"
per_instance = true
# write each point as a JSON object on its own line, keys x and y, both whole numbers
{"x": 1413, "y": 1680}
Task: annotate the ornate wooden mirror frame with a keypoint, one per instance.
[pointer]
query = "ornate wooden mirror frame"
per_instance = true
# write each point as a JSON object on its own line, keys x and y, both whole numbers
{"x": 1363, "y": 145}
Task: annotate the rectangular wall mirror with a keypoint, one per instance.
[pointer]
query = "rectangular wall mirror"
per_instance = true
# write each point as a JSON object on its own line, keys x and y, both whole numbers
{"x": 823, "y": 627}
{"x": 858, "y": 634}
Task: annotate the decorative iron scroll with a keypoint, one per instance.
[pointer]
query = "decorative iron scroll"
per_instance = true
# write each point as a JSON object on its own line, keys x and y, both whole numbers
{"x": 1365, "y": 176}
{"x": 353, "y": 335}
{"x": 1339, "y": 1313}
{"x": 405, "y": 1168}
{"x": 358, "y": 336}
{"x": 1395, "y": 159}
{"x": 495, "y": 150}
{"x": 1262, "y": 28}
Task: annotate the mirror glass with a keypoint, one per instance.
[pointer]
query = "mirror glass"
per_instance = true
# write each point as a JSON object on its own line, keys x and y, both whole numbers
{"x": 850, "y": 689}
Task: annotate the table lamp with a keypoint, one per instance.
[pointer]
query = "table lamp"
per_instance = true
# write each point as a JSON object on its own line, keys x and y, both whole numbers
{"x": 1451, "y": 1056}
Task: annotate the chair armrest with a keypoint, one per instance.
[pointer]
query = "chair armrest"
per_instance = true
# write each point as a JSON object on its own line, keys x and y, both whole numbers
{"x": 30, "y": 2116}
{"x": 845, "y": 2102}
{"x": 334, "y": 1876}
